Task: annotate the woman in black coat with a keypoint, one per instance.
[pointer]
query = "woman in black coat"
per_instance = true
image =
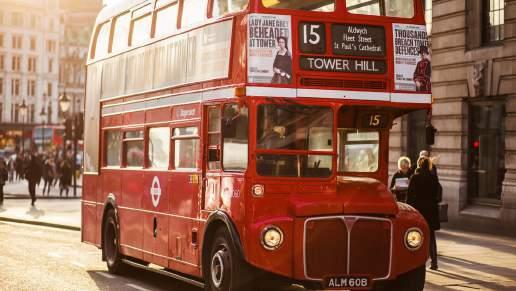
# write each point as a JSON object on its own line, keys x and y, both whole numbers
{"x": 423, "y": 195}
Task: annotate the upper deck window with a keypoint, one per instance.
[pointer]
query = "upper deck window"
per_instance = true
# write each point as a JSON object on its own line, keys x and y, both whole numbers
{"x": 102, "y": 43}
{"x": 391, "y": 8}
{"x": 166, "y": 19}
{"x": 194, "y": 11}
{"x": 121, "y": 32}
{"x": 221, "y": 7}
{"x": 142, "y": 23}
{"x": 318, "y": 5}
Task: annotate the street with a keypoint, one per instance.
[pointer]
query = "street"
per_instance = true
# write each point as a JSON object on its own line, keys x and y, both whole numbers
{"x": 42, "y": 258}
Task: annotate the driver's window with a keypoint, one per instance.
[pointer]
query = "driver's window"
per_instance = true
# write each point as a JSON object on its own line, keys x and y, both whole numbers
{"x": 358, "y": 150}
{"x": 214, "y": 137}
{"x": 235, "y": 134}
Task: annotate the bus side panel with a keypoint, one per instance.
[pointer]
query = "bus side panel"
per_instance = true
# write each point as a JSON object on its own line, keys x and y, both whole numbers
{"x": 131, "y": 218}
{"x": 89, "y": 209}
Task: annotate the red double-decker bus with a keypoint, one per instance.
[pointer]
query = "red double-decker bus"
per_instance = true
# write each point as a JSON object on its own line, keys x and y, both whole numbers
{"x": 228, "y": 141}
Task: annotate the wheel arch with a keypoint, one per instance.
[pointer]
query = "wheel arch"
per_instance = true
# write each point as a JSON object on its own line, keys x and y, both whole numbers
{"x": 110, "y": 203}
{"x": 216, "y": 220}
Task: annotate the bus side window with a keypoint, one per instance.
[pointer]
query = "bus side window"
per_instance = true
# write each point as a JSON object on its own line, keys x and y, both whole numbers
{"x": 141, "y": 25}
{"x": 186, "y": 148}
{"x": 121, "y": 32}
{"x": 102, "y": 41}
{"x": 112, "y": 143}
{"x": 235, "y": 132}
{"x": 194, "y": 11}
{"x": 159, "y": 147}
{"x": 214, "y": 138}
{"x": 133, "y": 148}
{"x": 166, "y": 18}
{"x": 221, "y": 7}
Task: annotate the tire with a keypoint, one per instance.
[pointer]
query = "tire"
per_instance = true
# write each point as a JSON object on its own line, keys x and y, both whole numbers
{"x": 411, "y": 281}
{"x": 111, "y": 243}
{"x": 224, "y": 269}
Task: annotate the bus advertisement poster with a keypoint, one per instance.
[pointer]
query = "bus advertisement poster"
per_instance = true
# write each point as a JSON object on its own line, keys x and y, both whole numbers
{"x": 270, "y": 49}
{"x": 412, "y": 68}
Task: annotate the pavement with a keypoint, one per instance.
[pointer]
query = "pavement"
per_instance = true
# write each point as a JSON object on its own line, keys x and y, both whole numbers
{"x": 20, "y": 189}
{"x": 467, "y": 260}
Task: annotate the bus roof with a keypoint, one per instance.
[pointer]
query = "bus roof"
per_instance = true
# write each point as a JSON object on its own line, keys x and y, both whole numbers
{"x": 113, "y": 10}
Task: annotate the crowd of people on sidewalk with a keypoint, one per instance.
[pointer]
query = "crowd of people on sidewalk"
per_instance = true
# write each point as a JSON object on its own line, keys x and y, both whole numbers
{"x": 418, "y": 185}
{"x": 48, "y": 169}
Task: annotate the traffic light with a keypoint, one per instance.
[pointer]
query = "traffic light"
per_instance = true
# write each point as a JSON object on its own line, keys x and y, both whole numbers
{"x": 68, "y": 129}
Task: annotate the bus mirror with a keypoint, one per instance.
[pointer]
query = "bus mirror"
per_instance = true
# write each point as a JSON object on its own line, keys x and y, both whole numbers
{"x": 213, "y": 155}
{"x": 430, "y": 134}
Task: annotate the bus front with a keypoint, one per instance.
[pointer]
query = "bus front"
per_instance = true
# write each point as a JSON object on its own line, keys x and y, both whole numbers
{"x": 326, "y": 79}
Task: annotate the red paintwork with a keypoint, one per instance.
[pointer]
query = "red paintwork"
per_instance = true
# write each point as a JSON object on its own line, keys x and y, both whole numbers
{"x": 287, "y": 203}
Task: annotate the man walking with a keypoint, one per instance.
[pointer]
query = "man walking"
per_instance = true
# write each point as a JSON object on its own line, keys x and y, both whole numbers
{"x": 33, "y": 175}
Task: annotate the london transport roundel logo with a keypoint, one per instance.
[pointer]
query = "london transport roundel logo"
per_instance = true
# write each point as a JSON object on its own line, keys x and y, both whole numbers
{"x": 155, "y": 191}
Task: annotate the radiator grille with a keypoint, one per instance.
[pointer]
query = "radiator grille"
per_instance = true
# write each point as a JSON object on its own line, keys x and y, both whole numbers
{"x": 344, "y": 83}
{"x": 363, "y": 244}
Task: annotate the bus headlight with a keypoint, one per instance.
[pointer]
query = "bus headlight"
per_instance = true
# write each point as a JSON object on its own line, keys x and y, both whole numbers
{"x": 413, "y": 239}
{"x": 272, "y": 237}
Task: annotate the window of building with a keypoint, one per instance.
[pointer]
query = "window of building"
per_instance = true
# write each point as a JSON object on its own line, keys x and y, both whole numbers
{"x": 159, "y": 147}
{"x": 17, "y": 41}
{"x": 392, "y": 8}
{"x": 1, "y": 40}
{"x": 51, "y": 46}
{"x": 214, "y": 132}
{"x": 166, "y": 19}
{"x": 33, "y": 21}
{"x": 2, "y": 20}
{"x": 318, "y": 5}
{"x": 17, "y": 19}
{"x": 32, "y": 65}
{"x": 32, "y": 112}
{"x": 221, "y": 7}
{"x": 133, "y": 148}
{"x": 15, "y": 87}
{"x": 2, "y": 62}
{"x": 121, "y": 32}
{"x": 1, "y": 86}
{"x": 50, "y": 65}
{"x": 16, "y": 63}
{"x": 102, "y": 41}
{"x": 141, "y": 25}
{"x": 493, "y": 20}
{"x": 112, "y": 146}
{"x": 235, "y": 129}
{"x": 32, "y": 43}
{"x": 194, "y": 11}
{"x": 49, "y": 89}
{"x": 31, "y": 88}
{"x": 186, "y": 148}
{"x": 486, "y": 151}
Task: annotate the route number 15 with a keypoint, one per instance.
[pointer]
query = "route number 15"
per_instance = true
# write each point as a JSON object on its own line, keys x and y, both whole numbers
{"x": 312, "y": 38}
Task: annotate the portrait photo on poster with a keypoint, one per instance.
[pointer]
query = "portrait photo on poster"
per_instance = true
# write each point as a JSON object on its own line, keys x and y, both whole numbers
{"x": 270, "y": 49}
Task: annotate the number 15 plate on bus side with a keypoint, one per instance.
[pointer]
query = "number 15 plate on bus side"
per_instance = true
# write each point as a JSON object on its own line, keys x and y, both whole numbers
{"x": 348, "y": 282}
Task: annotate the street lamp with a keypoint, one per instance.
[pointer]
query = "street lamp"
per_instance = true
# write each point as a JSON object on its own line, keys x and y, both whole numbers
{"x": 23, "y": 112}
{"x": 64, "y": 104}
{"x": 43, "y": 115}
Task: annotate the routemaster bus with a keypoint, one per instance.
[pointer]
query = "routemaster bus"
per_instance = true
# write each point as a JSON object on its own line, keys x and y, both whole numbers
{"x": 228, "y": 141}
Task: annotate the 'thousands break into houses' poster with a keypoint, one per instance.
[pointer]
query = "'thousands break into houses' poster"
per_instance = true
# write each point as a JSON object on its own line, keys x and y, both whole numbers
{"x": 412, "y": 64}
{"x": 270, "y": 49}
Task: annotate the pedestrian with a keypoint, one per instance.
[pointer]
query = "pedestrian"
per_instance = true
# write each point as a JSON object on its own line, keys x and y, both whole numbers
{"x": 400, "y": 179}
{"x": 4, "y": 175}
{"x": 66, "y": 176}
{"x": 10, "y": 168}
{"x": 426, "y": 154}
{"x": 423, "y": 195}
{"x": 48, "y": 176}
{"x": 18, "y": 165}
{"x": 33, "y": 175}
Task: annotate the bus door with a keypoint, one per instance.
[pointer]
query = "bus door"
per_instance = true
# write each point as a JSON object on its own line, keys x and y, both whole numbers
{"x": 155, "y": 201}
{"x": 213, "y": 167}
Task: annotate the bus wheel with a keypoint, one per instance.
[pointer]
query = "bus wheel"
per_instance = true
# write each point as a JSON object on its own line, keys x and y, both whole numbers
{"x": 111, "y": 244}
{"x": 411, "y": 281}
{"x": 225, "y": 269}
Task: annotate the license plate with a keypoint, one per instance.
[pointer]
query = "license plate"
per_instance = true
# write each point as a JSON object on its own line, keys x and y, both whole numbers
{"x": 348, "y": 282}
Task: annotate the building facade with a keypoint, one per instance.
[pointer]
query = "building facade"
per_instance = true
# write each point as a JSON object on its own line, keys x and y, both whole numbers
{"x": 29, "y": 46}
{"x": 474, "y": 89}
